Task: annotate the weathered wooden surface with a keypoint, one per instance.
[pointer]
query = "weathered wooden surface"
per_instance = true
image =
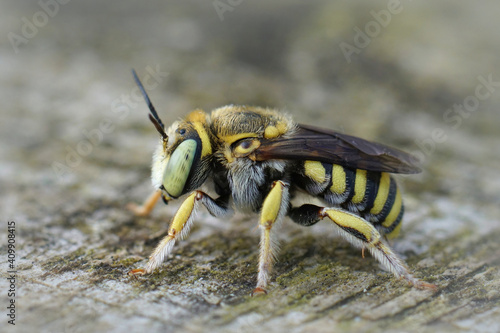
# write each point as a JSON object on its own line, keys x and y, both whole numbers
{"x": 76, "y": 242}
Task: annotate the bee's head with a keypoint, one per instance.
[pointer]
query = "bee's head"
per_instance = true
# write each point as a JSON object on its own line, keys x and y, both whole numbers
{"x": 181, "y": 160}
{"x": 181, "y": 163}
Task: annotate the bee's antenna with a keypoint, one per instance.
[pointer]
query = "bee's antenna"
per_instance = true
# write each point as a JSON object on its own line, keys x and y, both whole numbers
{"x": 153, "y": 116}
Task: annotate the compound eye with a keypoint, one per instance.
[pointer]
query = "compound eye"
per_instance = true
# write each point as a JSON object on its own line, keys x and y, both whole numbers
{"x": 178, "y": 168}
{"x": 245, "y": 147}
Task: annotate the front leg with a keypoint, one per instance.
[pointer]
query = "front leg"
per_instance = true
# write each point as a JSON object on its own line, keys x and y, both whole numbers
{"x": 147, "y": 206}
{"x": 179, "y": 228}
{"x": 273, "y": 210}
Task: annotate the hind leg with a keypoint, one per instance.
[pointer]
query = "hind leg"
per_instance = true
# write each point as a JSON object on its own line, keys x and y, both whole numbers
{"x": 359, "y": 233}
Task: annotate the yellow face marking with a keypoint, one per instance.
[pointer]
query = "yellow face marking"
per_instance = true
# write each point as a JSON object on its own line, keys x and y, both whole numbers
{"x": 349, "y": 220}
{"x": 271, "y": 205}
{"x": 396, "y": 208}
{"x": 206, "y": 146}
{"x": 230, "y": 139}
{"x": 382, "y": 194}
{"x": 271, "y": 132}
{"x": 338, "y": 179}
{"x": 359, "y": 186}
{"x": 315, "y": 171}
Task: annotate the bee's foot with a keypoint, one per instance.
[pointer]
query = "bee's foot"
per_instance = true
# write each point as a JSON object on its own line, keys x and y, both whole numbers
{"x": 138, "y": 210}
{"x": 137, "y": 272}
{"x": 259, "y": 291}
{"x": 426, "y": 286}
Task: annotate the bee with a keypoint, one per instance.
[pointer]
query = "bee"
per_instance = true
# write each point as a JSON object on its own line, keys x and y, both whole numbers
{"x": 257, "y": 160}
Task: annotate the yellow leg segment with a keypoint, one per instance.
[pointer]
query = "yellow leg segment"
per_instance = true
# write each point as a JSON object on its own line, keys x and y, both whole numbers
{"x": 178, "y": 229}
{"x": 361, "y": 233}
{"x": 273, "y": 210}
{"x": 147, "y": 206}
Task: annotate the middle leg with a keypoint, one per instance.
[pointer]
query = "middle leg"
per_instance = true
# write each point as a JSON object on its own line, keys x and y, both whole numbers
{"x": 273, "y": 209}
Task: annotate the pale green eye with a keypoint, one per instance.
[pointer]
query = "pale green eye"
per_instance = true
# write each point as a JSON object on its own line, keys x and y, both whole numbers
{"x": 178, "y": 168}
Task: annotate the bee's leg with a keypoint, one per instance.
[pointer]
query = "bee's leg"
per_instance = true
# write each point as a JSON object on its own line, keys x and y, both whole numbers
{"x": 179, "y": 228}
{"x": 273, "y": 210}
{"x": 359, "y": 233}
{"x": 147, "y": 206}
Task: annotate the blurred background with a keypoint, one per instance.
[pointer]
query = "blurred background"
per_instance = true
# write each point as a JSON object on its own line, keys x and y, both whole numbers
{"x": 77, "y": 144}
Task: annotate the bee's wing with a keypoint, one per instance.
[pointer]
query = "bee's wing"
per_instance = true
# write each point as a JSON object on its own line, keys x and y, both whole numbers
{"x": 317, "y": 144}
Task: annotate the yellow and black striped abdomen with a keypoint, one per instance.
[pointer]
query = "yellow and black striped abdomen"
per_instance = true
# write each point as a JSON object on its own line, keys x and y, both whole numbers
{"x": 371, "y": 195}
